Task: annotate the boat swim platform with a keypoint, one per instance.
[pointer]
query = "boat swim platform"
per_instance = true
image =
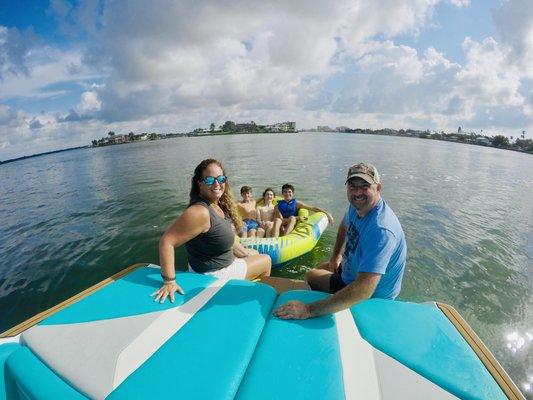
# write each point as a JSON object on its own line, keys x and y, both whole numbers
{"x": 101, "y": 345}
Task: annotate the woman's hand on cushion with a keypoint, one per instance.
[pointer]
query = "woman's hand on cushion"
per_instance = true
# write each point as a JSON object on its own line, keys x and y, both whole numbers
{"x": 167, "y": 290}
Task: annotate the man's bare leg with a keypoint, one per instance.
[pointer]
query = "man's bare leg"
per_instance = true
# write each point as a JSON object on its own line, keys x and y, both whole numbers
{"x": 319, "y": 279}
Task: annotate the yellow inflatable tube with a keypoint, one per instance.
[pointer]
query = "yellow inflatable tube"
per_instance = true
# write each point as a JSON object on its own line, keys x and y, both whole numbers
{"x": 300, "y": 241}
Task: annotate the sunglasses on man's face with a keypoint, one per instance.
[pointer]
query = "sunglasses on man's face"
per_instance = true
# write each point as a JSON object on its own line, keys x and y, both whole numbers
{"x": 210, "y": 180}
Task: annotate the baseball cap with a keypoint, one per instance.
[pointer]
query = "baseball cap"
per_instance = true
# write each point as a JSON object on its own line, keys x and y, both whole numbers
{"x": 365, "y": 171}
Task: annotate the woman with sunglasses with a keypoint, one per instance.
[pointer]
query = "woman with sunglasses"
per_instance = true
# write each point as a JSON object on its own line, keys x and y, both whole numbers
{"x": 207, "y": 228}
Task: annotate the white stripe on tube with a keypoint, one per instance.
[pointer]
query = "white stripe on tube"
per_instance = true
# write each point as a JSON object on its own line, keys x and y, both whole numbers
{"x": 357, "y": 357}
{"x": 159, "y": 331}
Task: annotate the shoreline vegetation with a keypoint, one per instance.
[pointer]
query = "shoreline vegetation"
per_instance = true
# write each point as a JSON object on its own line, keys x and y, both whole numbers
{"x": 520, "y": 143}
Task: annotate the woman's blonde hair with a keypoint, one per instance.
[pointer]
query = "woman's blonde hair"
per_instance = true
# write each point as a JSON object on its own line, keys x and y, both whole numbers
{"x": 227, "y": 201}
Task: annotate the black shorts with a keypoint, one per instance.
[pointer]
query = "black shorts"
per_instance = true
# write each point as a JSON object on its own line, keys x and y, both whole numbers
{"x": 335, "y": 282}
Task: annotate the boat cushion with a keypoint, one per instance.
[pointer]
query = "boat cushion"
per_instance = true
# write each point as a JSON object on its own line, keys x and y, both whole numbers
{"x": 8, "y": 388}
{"x": 127, "y": 297}
{"x": 34, "y": 380}
{"x": 326, "y": 358}
{"x": 298, "y": 359}
{"x": 421, "y": 337}
{"x": 100, "y": 344}
{"x": 207, "y": 358}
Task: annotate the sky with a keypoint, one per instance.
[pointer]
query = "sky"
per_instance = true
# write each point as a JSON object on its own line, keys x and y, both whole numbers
{"x": 71, "y": 71}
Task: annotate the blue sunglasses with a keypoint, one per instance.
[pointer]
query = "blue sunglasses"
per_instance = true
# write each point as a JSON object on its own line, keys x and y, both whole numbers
{"x": 210, "y": 180}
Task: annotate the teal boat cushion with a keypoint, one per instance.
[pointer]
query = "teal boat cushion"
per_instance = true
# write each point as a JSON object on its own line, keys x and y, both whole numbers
{"x": 129, "y": 296}
{"x": 8, "y": 388}
{"x": 421, "y": 337}
{"x": 207, "y": 357}
{"x": 35, "y": 381}
{"x": 296, "y": 359}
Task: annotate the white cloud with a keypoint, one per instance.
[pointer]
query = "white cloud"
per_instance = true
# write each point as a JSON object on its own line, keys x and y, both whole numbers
{"x": 9, "y": 119}
{"x": 14, "y": 50}
{"x": 46, "y": 67}
{"x": 89, "y": 102}
{"x": 181, "y": 65}
{"x": 460, "y": 3}
{"x": 366, "y": 19}
{"x": 394, "y": 79}
{"x": 227, "y": 54}
{"x": 487, "y": 78}
{"x": 514, "y": 21}
{"x": 406, "y": 89}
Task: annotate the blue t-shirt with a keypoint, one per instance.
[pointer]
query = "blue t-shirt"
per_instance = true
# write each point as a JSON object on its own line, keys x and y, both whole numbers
{"x": 287, "y": 209}
{"x": 375, "y": 243}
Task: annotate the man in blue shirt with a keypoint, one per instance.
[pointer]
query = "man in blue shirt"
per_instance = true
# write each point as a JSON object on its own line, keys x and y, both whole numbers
{"x": 368, "y": 259}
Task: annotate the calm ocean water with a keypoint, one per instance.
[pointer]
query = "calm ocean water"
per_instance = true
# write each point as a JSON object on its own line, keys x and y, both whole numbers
{"x": 69, "y": 220}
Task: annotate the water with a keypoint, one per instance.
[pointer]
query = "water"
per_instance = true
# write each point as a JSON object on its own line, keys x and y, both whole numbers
{"x": 69, "y": 220}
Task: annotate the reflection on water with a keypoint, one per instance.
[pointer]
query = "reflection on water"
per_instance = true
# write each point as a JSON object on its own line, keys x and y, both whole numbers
{"x": 520, "y": 344}
{"x": 517, "y": 342}
{"x": 71, "y": 219}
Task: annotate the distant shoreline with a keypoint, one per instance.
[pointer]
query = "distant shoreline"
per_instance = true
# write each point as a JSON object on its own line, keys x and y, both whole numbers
{"x": 498, "y": 142}
{"x": 43, "y": 154}
{"x": 181, "y": 135}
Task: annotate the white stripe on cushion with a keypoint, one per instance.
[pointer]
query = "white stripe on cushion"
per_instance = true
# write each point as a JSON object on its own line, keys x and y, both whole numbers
{"x": 400, "y": 382}
{"x": 159, "y": 331}
{"x": 358, "y": 364}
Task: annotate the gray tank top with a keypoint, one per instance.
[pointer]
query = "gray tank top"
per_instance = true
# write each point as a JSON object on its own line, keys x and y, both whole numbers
{"x": 212, "y": 250}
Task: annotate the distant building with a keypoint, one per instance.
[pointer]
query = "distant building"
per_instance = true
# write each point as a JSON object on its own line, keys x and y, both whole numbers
{"x": 117, "y": 139}
{"x": 246, "y": 127}
{"x": 483, "y": 141}
{"x": 323, "y": 128}
{"x": 200, "y": 131}
{"x": 342, "y": 129}
{"x": 287, "y": 126}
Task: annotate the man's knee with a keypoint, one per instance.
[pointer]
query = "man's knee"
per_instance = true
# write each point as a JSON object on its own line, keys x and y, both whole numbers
{"x": 311, "y": 275}
{"x": 319, "y": 279}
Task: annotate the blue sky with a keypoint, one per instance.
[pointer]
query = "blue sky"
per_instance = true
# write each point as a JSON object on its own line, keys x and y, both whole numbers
{"x": 70, "y": 71}
{"x": 451, "y": 25}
